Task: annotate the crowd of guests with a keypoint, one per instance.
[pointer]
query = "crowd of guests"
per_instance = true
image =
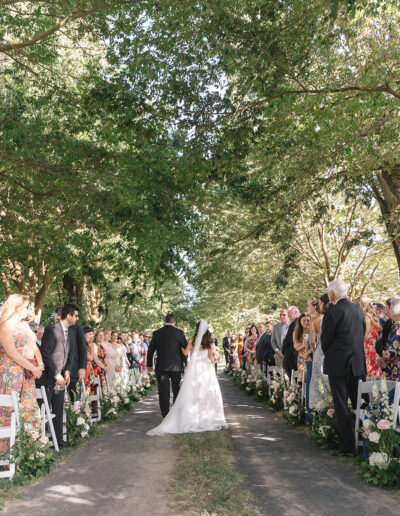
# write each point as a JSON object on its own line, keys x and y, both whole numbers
{"x": 332, "y": 343}
{"x": 58, "y": 357}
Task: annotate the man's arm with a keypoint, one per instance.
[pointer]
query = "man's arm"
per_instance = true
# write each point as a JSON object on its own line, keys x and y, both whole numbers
{"x": 328, "y": 330}
{"x": 150, "y": 353}
{"x": 47, "y": 348}
{"x": 274, "y": 340}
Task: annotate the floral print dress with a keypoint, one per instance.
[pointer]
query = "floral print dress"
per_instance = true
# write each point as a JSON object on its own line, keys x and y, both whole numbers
{"x": 12, "y": 379}
{"x": 391, "y": 353}
{"x": 371, "y": 356}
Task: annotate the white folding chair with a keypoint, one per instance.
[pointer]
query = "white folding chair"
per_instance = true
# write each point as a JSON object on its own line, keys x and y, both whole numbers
{"x": 95, "y": 398}
{"x": 9, "y": 432}
{"x": 46, "y": 416}
{"x": 367, "y": 388}
{"x": 396, "y": 409}
{"x": 294, "y": 377}
{"x": 270, "y": 374}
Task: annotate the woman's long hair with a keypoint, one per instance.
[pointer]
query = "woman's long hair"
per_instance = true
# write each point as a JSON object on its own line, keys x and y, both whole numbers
{"x": 206, "y": 341}
{"x": 299, "y": 330}
{"x": 325, "y": 304}
{"x": 369, "y": 310}
{"x": 14, "y": 304}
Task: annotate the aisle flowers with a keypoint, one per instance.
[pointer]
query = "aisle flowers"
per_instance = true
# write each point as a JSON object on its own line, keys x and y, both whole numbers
{"x": 277, "y": 391}
{"x": 78, "y": 414}
{"x": 293, "y": 411}
{"x": 381, "y": 441}
{"x": 324, "y": 430}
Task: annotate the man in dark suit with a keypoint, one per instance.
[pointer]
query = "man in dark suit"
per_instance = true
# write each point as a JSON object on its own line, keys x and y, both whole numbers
{"x": 56, "y": 353}
{"x": 261, "y": 343}
{"x": 167, "y": 342}
{"x": 342, "y": 341}
{"x": 226, "y": 344}
{"x": 289, "y": 353}
{"x": 269, "y": 356}
{"x": 78, "y": 358}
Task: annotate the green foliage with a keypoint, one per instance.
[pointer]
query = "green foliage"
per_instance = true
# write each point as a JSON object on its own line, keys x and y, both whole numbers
{"x": 324, "y": 430}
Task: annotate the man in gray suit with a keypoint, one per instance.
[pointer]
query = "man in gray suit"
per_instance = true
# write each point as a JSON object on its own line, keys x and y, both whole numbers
{"x": 279, "y": 334}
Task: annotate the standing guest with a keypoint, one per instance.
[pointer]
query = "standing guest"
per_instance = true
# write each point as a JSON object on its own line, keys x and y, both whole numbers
{"x": 168, "y": 343}
{"x": 380, "y": 311}
{"x": 261, "y": 343}
{"x": 372, "y": 331}
{"x": 391, "y": 353}
{"x": 226, "y": 342}
{"x": 279, "y": 333}
{"x": 100, "y": 356}
{"x": 39, "y": 335}
{"x": 319, "y": 381}
{"x": 382, "y": 340}
{"x": 233, "y": 353}
{"x": 135, "y": 353}
{"x": 78, "y": 358}
{"x": 112, "y": 360}
{"x": 89, "y": 376}
{"x": 250, "y": 346}
{"x": 57, "y": 314}
{"x": 342, "y": 341}
{"x": 17, "y": 351}
{"x": 246, "y": 336}
{"x": 288, "y": 351}
{"x": 240, "y": 349}
{"x": 301, "y": 337}
{"x": 56, "y": 351}
{"x": 216, "y": 352}
{"x": 107, "y": 335}
{"x": 143, "y": 350}
{"x": 269, "y": 357}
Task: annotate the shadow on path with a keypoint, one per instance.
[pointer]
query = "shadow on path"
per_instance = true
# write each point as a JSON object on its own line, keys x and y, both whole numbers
{"x": 123, "y": 472}
{"x": 287, "y": 473}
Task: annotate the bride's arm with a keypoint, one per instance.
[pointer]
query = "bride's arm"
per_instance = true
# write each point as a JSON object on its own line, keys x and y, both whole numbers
{"x": 188, "y": 347}
{"x": 211, "y": 355}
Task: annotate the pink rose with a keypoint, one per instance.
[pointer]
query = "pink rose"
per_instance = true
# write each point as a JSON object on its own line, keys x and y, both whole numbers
{"x": 330, "y": 412}
{"x": 367, "y": 431}
{"x": 383, "y": 424}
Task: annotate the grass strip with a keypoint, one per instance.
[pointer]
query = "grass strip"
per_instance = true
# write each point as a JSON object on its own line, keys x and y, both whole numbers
{"x": 206, "y": 480}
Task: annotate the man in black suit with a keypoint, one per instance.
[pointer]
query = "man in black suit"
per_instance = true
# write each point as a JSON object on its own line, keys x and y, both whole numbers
{"x": 289, "y": 353}
{"x": 167, "y": 342}
{"x": 342, "y": 341}
{"x": 261, "y": 343}
{"x": 78, "y": 358}
{"x": 56, "y": 353}
{"x": 226, "y": 344}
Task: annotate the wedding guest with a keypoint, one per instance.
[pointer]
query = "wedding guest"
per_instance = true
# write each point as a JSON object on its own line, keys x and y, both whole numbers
{"x": 114, "y": 357}
{"x": 78, "y": 358}
{"x": 57, "y": 314}
{"x": 56, "y": 351}
{"x": 107, "y": 335}
{"x": 319, "y": 381}
{"x": 216, "y": 352}
{"x": 226, "y": 342}
{"x": 233, "y": 353}
{"x": 301, "y": 340}
{"x": 261, "y": 343}
{"x": 17, "y": 350}
{"x": 382, "y": 340}
{"x": 39, "y": 335}
{"x": 250, "y": 345}
{"x": 288, "y": 351}
{"x": 269, "y": 356}
{"x": 100, "y": 356}
{"x": 380, "y": 312}
{"x": 279, "y": 333}
{"x": 391, "y": 353}
{"x": 372, "y": 332}
{"x": 246, "y": 335}
{"x": 241, "y": 349}
{"x": 342, "y": 341}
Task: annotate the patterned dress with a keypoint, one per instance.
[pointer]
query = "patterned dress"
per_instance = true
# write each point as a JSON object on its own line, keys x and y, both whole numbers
{"x": 371, "y": 356}
{"x": 391, "y": 353}
{"x": 252, "y": 345}
{"x": 101, "y": 355}
{"x": 12, "y": 379}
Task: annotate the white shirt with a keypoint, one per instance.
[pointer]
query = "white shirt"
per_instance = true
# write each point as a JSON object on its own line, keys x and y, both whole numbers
{"x": 65, "y": 331}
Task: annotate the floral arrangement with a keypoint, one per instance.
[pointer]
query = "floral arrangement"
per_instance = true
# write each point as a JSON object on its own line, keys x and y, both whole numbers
{"x": 293, "y": 411}
{"x": 78, "y": 414}
{"x": 277, "y": 389}
{"x": 324, "y": 430}
{"x": 31, "y": 452}
{"x": 381, "y": 441}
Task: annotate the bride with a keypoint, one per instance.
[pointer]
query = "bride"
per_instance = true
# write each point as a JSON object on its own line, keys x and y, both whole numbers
{"x": 198, "y": 407}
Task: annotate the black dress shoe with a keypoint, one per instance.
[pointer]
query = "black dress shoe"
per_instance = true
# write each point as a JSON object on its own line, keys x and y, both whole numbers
{"x": 338, "y": 453}
{"x": 64, "y": 444}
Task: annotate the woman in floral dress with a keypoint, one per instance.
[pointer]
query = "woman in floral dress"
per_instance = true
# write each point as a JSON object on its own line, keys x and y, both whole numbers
{"x": 99, "y": 355}
{"x": 391, "y": 353}
{"x": 373, "y": 329}
{"x": 17, "y": 349}
{"x": 250, "y": 345}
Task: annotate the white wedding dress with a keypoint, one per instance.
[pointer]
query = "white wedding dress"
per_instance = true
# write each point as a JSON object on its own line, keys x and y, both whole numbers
{"x": 198, "y": 407}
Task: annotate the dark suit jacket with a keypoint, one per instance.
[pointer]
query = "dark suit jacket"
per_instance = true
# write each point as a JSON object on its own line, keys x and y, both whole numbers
{"x": 381, "y": 342}
{"x": 167, "y": 341}
{"x": 289, "y": 353}
{"x": 269, "y": 352}
{"x": 78, "y": 356}
{"x": 225, "y": 344}
{"x": 342, "y": 339}
{"x": 55, "y": 353}
{"x": 262, "y": 341}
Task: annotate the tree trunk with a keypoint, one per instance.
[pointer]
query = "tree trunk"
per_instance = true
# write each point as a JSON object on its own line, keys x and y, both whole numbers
{"x": 388, "y": 197}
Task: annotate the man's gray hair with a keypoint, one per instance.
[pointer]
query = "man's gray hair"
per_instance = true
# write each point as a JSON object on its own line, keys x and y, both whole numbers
{"x": 338, "y": 287}
{"x": 395, "y": 306}
{"x": 294, "y": 309}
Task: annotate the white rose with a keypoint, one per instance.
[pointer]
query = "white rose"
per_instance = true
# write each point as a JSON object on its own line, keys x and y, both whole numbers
{"x": 44, "y": 439}
{"x": 374, "y": 437}
{"x": 293, "y": 409}
{"x": 76, "y": 407}
{"x": 83, "y": 434}
{"x": 80, "y": 421}
{"x": 381, "y": 460}
{"x": 321, "y": 405}
{"x": 291, "y": 396}
{"x": 40, "y": 454}
{"x": 126, "y": 401}
{"x": 366, "y": 423}
{"x": 35, "y": 435}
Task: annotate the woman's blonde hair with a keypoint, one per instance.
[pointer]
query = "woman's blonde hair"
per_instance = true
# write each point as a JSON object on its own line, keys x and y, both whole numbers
{"x": 13, "y": 305}
{"x": 369, "y": 310}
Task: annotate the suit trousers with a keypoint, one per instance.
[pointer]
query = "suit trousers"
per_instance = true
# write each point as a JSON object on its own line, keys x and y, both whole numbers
{"x": 72, "y": 389}
{"x": 343, "y": 388}
{"x": 56, "y": 402}
{"x": 163, "y": 381}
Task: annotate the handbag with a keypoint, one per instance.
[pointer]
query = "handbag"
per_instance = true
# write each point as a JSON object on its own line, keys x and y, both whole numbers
{"x": 28, "y": 374}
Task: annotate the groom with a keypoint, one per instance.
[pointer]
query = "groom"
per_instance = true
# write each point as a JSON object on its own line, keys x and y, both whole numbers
{"x": 167, "y": 342}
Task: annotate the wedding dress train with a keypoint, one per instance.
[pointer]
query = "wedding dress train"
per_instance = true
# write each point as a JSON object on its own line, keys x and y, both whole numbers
{"x": 199, "y": 406}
